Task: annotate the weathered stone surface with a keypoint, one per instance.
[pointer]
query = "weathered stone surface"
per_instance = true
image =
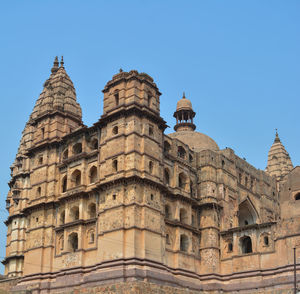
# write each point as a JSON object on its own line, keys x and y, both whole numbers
{"x": 121, "y": 207}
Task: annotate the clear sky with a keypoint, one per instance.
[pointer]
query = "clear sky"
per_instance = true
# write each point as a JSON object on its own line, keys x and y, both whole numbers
{"x": 237, "y": 61}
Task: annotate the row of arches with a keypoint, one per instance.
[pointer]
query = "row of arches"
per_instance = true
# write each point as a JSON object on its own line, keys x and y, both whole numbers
{"x": 181, "y": 152}
{"x": 75, "y": 179}
{"x": 74, "y": 213}
{"x": 182, "y": 181}
{"x": 73, "y": 240}
{"x": 77, "y": 148}
{"x": 148, "y": 98}
{"x": 183, "y": 242}
{"x": 183, "y": 215}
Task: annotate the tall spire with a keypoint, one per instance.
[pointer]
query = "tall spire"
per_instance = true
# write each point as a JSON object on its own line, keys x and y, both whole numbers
{"x": 279, "y": 161}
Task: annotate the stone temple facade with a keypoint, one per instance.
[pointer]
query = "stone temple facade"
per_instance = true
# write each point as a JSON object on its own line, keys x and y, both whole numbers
{"x": 121, "y": 207}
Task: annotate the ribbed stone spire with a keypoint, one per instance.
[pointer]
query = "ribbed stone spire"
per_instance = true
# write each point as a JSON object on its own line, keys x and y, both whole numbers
{"x": 58, "y": 94}
{"x": 279, "y": 161}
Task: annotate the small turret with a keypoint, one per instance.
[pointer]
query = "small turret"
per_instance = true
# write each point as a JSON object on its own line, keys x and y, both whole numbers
{"x": 279, "y": 161}
{"x": 184, "y": 115}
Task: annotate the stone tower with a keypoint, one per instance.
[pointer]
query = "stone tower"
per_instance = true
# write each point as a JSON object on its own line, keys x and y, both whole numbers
{"x": 131, "y": 182}
{"x": 279, "y": 161}
{"x": 34, "y": 172}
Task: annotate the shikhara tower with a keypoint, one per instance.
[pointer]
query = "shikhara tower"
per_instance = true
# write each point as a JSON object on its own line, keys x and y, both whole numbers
{"x": 121, "y": 206}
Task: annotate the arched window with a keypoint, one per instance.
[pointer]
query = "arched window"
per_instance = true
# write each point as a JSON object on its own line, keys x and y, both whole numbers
{"x": 247, "y": 214}
{"x": 39, "y": 192}
{"x": 117, "y": 98}
{"x": 150, "y": 167}
{"x": 40, "y": 160}
{"x": 115, "y": 130}
{"x": 92, "y": 237}
{"x": 266, "y": 240}
{"x": 73, "y": 242}
{"x": 74, "y": 213}
{"x": 230, "y": 247}
{"x": 93, "y": 174}
{"x": 246, "y": 244}
{"x": 77, "y": 148}
{"x": 166, "y": 176}
{"x": 297, "y": 196}
{"x": 183, "y": 217}
{"x": 184, "y": 243}
{"x": 167, "y": 212}
{"x": 65, "y": 154}
{"x": 182, "y": 181}
{"x": 64, "y": 184}
{"x": 168, "y": 239}
{"x": 62, "y": 217}
{"x": 181, "y": 152}
{"x": 167, "y": 147}
{"x": 94, "y": 144}
{"x": 92, "y": 210}
{"x": 76, "y": 178}
{"x": 115, "y": 165}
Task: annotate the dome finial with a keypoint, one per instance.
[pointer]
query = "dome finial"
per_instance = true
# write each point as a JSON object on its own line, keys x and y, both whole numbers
{"x": 62, "y": 61}
{"x": 183, "y": 95}
{"x": 55, "y": 65}
{"x": 277, "y": 140}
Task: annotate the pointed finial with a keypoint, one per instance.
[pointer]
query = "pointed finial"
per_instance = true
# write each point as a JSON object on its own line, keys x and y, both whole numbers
{"x": 183, "y": 95}
{"x": 55, "y": 65}
{"x": 276, "y": 137}
{"x": 62, "y": 61}
{"x": 120, "y": 70}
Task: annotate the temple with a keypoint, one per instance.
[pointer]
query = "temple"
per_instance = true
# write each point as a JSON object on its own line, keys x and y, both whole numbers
{"x": 122, "y": 207}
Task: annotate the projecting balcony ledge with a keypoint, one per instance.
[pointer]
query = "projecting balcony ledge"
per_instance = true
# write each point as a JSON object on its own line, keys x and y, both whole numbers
{"x": 73, "y": 191}
{"x": 8, "y": 258}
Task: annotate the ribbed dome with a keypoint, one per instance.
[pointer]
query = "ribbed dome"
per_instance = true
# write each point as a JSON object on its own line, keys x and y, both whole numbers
{"x": 58, "y": 94}
{"x": 195, "y": 140}
{"x": 184, "y": 104}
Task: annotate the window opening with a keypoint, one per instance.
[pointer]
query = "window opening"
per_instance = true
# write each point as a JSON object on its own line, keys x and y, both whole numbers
{"x": 166, "y": 177}
{"x": 77, "y": 148}
{"x": 150, "y": 167}
{"x": 73, "y": 242}
{"x": 64, "y": 184}
{"x": 184, "y": 243}
{"x": 246, "y": 245}
{"x": 117, "y": 98}
{"x": 115, "y": 130}
{"x": 115, "y": 165}
{"x": 266, "y": 240}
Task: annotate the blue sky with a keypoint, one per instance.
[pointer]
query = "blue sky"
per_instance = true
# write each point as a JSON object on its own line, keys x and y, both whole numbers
{"x": 237, "y": 61}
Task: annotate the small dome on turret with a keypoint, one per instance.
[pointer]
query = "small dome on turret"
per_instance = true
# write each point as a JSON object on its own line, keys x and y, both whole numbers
{"x": 185, "y": 128}
{"x": 184, "y": 104}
